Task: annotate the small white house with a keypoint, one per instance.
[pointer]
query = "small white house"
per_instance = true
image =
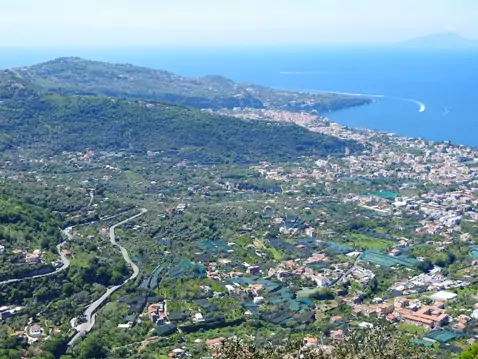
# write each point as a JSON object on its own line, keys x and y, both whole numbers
{"x": 198, "y": 318}
{"x": 258, "y": 300}
{"x": 128, "y": 325}
{"x": 310, "y": 232}
{"x": 321, "y": 281}
{"x": 36, "y": 330}
{"x": 230, "y": 288}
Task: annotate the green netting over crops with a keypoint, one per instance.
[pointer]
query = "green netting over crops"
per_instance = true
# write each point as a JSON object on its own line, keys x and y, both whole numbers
{"x": 338, "y": 248}
{"x": 442, "y": 336}
{"x": 388, "y": 261}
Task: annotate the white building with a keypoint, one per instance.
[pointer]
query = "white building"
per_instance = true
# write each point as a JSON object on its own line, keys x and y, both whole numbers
{"x": 321, "y": 281}
{"x": 310, "y": 232}
{"x": 128, "y": 325}
{"x": 443, "y": 296}
{"x": 198, "y": 318}
{"x": 258, "y": 300}
{"x": 36, "y": 330}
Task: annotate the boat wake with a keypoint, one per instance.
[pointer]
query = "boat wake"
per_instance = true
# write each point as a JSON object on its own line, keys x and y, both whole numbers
{"x": 353, "y": 94}
{"x": 420, "y": 104}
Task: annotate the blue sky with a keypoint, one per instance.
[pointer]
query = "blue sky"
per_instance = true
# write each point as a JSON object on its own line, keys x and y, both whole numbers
{"x": 218, "y": 22}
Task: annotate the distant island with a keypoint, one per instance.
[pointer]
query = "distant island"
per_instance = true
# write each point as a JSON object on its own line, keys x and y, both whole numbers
{"x": 447, "y": 40}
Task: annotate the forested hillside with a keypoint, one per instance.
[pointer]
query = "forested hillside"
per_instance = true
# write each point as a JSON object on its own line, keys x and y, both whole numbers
{"x": 25, "y": 227}
{"x": 83, "y": 77}
{"x": 24, "y": 222}
{"x": 50, "y": 123}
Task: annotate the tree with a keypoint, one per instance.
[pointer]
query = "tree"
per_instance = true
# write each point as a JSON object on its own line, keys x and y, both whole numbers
{"x": 92, "y": 347}
{"x": 471, "y": 353}
{"x": 425, "y": 266}
{"x": 9, "y": 342}
{"x": 373, "y": 285}
{"x": 56, "y": 346}
{"x": 323, "y": 294}
{"x": 376, "y": 343}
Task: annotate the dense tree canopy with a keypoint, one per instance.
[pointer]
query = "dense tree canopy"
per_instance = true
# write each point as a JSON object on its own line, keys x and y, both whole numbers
{"x": 471, "y": 353}
{"x": 50, "y": 123}
{"x": 83, "y": 77}
{"x": 377, "y": 343}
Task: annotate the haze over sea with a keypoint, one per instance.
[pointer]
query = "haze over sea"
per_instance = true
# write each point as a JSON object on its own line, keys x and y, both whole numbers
{"x": 420, "y": 93}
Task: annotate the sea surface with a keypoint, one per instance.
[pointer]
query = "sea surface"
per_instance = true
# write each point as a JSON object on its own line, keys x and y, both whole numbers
{"x": 429, "y": 94}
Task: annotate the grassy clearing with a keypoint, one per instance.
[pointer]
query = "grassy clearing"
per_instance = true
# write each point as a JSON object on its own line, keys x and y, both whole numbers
{"x": 412, "y": 329}
{"x": 410, "y": 192}
{"x": 275, "y": 253}
{"x": 133, "y": 177}
{"x": 361, "y": 240}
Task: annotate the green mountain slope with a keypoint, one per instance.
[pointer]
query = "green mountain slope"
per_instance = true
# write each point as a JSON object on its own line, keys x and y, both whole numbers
{"x": 50, "y": 123}
{"x": 27, "y": 224}
{"x": 24, "y": 227}
{"x": 79, "y": 76}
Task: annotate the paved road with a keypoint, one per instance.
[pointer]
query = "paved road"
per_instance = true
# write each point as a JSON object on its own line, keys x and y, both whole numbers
{"x": 64, "y": 259}
{"x": 90, "y": 312}
{"x": 124, "y": 252}
{"x": 347, "y": 272}
{"x": 102, "y": 219}
{"x": 92, "y": 198}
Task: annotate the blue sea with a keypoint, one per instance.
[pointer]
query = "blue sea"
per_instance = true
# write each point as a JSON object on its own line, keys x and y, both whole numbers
{"x": 431, "y": 94}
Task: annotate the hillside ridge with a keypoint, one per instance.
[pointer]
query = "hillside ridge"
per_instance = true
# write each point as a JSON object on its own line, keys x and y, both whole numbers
{"x": 48, "y": 122}
{"x": 74, "y": 75}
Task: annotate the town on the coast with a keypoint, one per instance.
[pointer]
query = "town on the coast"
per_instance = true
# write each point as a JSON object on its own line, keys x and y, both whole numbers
{"x": 319, "y": 253}
{"x": 128, "y": 248}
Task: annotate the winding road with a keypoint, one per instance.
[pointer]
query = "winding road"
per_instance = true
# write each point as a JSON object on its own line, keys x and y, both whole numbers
{"x": 92, "y": 198}
{"x": 64, "y": 259}
{"x": 90, "y": 312}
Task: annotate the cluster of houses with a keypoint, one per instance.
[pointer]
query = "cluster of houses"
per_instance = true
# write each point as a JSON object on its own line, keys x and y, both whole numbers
{"x": 157, "y": 313}
{"x": 441, "y": 217}
{"x": 283, "y": 271}
{"x": 438, "y": 163}
{"x": 34, "y": 257}
{"x": 287, "y": 269}
{"x": 415, "y": 158}
{"x": 411, "y": 311}
{"x": 302, "y": 118}
{"x": 433, "y": 281}
{"x": 401, "y": 309}
{"x": 34, "y": 332}
{"x": 441, "y": 164}
{"x": 30, "y": 258}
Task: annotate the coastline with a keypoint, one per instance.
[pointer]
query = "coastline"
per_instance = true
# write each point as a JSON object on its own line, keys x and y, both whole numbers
{"x": 328, "y": 126}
